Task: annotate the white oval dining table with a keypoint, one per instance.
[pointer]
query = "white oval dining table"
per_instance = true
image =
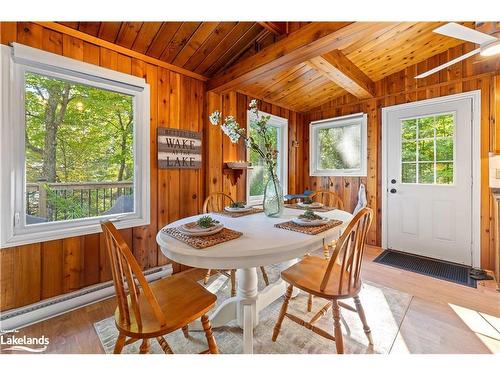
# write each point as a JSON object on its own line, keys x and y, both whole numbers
{"x": 261, "y": 244}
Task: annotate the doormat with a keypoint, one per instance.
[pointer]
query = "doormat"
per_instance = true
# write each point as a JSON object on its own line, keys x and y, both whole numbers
{"x": 456, "y": 273}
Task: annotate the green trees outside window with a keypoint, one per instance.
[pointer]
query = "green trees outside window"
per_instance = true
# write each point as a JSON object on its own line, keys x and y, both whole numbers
{"x": 79, "y": 148}
{"x": 427, "y": 150}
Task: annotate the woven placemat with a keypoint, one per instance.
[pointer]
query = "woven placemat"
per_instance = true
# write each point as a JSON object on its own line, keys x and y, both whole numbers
{"x": 254, "y": 210}
{"x": 224, "y": 235}
{"x": 322, "y": 209}
{"x": 290, "y": 225}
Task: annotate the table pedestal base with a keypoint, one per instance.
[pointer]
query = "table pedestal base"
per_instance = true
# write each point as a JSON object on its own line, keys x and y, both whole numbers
{"x": 247, "y": 304}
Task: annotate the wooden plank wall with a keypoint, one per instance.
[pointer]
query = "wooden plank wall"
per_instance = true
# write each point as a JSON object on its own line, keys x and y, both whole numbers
{"x": 220, "y": 149}
{"x": 34, "y": 272}
{"x": 399, "y": 88}
{"x": 47, "y": 269}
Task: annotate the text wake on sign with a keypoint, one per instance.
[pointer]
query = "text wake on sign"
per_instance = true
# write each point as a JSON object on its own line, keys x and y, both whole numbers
{"x": 179, "y": 149}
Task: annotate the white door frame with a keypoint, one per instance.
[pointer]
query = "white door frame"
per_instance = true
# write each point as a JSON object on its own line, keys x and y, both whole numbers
{"x": 476, "y": 164}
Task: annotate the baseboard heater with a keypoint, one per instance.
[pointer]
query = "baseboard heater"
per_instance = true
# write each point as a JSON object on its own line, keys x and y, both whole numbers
{"x": 49, "y": 308}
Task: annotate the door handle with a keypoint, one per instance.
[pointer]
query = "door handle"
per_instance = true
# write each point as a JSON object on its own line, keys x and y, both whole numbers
{"x": 393, "y": 191}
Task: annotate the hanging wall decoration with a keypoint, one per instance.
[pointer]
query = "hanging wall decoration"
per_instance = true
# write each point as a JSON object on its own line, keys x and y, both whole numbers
{"x": 179, "y": 149}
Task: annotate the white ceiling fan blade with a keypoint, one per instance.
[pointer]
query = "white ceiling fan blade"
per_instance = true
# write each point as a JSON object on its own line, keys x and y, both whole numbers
{"x": 462, "y": 32}
{"x": 449, "y": 63}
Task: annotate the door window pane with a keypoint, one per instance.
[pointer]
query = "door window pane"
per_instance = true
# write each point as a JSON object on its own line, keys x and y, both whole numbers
{"x": 444, "y": 149}
{"x": 426, "y": 127}
{"x": 426, "y": 173}
{"x": 79, "y": 150}
{"x": 409, "y": 151}
{"x": 426, "y": 150}
{"x": 444, "y": 173}
{"x": 444, "y": 126}
{"x": 409, "y": 173}
{"x": 430, "y": 142}
{"x": 409, "y": 129}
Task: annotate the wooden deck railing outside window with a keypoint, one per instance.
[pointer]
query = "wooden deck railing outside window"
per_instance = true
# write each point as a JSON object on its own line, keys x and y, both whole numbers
{"x": 62, "y": 201}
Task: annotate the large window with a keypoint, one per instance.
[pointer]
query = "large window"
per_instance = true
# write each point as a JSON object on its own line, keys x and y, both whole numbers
{"x": 257, "y": 175}
{"x": 428, "y": 149}
{"x": 77, "y": 148}
{"x": 338, "y": 146}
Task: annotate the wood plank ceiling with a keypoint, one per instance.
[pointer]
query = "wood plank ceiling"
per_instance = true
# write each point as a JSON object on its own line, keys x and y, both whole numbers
{"x": 201, "y": 47}
{"x": 210, "y": 48}
{"x": 306, "y": 86}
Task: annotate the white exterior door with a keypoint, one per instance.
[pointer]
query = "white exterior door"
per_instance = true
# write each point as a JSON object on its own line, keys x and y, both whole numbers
{"x": 429, "y": 180}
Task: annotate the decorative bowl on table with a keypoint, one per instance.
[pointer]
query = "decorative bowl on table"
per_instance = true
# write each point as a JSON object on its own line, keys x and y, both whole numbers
{"x": 205, "y": 226}
{"x": 310, "y": 219}
{"x": 237, "y": 207}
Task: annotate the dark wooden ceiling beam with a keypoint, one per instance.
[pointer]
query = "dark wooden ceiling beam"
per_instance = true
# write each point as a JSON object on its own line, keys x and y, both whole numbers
{"x": 343, "y": 72}
{"x": 278, "y": 28}
{"x": 304, "y": 44}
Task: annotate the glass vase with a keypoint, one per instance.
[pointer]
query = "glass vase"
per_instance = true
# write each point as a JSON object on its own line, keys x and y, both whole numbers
{"x": 273, "y": 196}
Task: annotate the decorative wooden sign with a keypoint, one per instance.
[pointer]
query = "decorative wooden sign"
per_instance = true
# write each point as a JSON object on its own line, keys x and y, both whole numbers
{"x": 179, "y": 149}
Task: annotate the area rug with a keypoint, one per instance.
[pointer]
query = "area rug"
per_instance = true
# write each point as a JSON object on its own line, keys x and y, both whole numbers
{"x": 384, "y": 307}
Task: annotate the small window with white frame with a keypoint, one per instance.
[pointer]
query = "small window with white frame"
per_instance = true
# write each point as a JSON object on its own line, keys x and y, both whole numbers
{"x": 338, "y": 146}
{"x": 257, "y": 176}
{"x": 74, "y": 147}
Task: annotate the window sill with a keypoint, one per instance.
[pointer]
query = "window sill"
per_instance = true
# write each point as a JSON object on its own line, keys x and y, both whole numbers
{"x": 62, "y": 232}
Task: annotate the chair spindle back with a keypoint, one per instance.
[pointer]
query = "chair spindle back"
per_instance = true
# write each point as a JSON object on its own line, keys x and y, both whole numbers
{"x": 349, "y": 252}
{"x": 128, "y": 279}
{"x": 216, "y": 202}
{"x": 328, "y": 198}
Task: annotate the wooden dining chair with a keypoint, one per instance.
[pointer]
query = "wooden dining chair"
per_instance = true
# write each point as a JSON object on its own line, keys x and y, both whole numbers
{"x": 216, "y": 202}
{"x": 334, "y": 280}
{"x": 150, "y": 311}
{"x": 329, "y": 199}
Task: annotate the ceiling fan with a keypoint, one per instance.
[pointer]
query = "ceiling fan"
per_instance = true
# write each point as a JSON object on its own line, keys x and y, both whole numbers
{"x": 488, "y": 45}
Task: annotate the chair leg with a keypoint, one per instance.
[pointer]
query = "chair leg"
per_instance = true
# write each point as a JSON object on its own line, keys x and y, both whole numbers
{"x": 233, "y": 283}
{"x": 337, "y": 328}
{"x": 144, "y": 348}
{"x": 310, "y": 303}
{"x": 185, "y": 330}
{"x": 212, "y": 345}
{"x": 264, "y": 275}
{"x": 164, "y": 345}
{"x": 362, "y": 316}
{"x": 120, "y": 343}
{"x": 207, "y": 276}
{"x": 283, "y": 310}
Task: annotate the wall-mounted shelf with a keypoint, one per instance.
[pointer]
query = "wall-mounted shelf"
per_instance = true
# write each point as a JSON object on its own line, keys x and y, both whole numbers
{"x": 234, "y": 170}
{"x": 237, "y": 165}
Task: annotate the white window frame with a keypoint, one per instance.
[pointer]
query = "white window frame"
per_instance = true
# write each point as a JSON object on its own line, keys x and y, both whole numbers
{"x": 349, "y": 120}
{"x": 14, "y": 62}
{"x": 282, "y": 125}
